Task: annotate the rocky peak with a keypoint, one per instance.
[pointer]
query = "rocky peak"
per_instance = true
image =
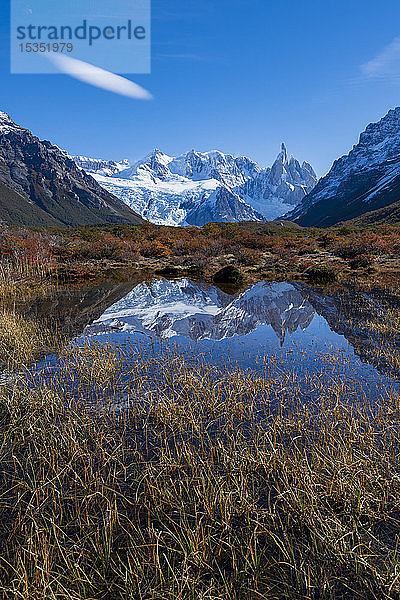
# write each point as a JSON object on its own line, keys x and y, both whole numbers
{"x": 363, "y": 180}
{"x": 48, "y": 186}
{"x": 387, "y": 126}
{"x": 278, "y": 169}
{"x": 378, "y": 142}
{"x": 5, "y": 119}
{"x": 6, "y": 123}
{"x": 309, "y": 175}
{"x": 226, "y": 168}
{"x": 155, "y": 163}
{"x": 283, "y": 154}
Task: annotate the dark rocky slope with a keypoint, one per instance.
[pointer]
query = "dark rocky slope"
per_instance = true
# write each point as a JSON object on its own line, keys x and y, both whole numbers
{"x": 365, "y": 180}
{"x": 40, "y": 185}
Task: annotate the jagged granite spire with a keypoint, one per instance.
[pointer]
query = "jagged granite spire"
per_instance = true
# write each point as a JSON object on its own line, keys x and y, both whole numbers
{"x": 198, "y": 187}
{"x": 284, "y": 153}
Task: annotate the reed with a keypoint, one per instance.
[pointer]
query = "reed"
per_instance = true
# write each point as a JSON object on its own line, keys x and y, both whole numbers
{"x": 22, "y": 340}
{"x": 125, "y": 476}
{"x": 23, "y": 267}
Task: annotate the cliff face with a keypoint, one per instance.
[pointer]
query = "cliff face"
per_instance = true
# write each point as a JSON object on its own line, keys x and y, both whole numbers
{"x": 40, "y": 185}
{"x": 365, "y": 180}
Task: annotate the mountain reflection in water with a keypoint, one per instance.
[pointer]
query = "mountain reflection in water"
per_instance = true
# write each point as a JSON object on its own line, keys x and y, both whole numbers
{"x": 287, "y": 322}
{"x": 335, "y": 336}
{"x": 166, "y": 309}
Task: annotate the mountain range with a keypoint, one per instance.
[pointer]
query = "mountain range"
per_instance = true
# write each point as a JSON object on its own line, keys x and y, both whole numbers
{"x": 41, "y": 186}
{"x": 196, "y": 188}
{"x": 362, "y": 185}
{"x": 166, "y": 309}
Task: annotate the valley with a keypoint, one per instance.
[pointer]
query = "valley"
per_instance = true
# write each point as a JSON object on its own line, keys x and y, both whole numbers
{"x": 199, "y": 390}
{"x": 200, "y": 301}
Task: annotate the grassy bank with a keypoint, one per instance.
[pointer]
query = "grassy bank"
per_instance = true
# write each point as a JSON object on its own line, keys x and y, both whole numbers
{"x": 260, "y": 251}
{"x": 124, "y": 476}
{"x": 184, "y": 482}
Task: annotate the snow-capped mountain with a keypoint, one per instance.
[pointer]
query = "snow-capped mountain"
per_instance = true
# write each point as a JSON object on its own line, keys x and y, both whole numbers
{"x": 100, "y": 166}
{"x": 7, "y": 124}
{"x": 196, "y": 188}
{"x": 41, "y": 186}
{"x": 166, "y": 309}
{"x": 366, "y": 179}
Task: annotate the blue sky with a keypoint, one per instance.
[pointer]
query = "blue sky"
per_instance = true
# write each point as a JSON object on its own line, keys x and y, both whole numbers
{"x": 236, "y": 75}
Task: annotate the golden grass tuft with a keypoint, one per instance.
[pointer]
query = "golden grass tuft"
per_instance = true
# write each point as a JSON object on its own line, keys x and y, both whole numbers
{"x": 199, "y": 483}
{"x": 22, "y": 340}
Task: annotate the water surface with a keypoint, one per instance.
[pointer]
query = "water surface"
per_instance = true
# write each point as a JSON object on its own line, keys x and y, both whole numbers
{"x": 268, "y": 328}
{"x": 299, "y": 328}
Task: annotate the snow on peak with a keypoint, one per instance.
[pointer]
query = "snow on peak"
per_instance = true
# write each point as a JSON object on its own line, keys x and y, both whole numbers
{"x": 197, "y": 187}
{"x": 100, "y": 166}
{"x": 6, "y": 122}
{"x": 153, "y": 166}
{"x": 375, "y": 159}
{"x": 158, "y": 156}
{"x": 5, "y": 119}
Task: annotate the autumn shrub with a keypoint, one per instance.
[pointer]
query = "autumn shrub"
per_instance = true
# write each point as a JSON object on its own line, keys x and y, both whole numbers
{"x": 188, "y": 247}
{"x": 322, "y": 273}
{"x": 257, "y": 242}
{"x": 327, "y": 240}
{"x": 212, "y": 229}
{"x": 130, "y": 252}
{"x": 155, "y": 249}
{"x": 305, "y": 247}
{"x": 365, "y": 243}
{"x": 217, "y": 247}
{"x": 248, "y": 257}
{"x": 345, "y": 230}
{"x": 284, "y": 254}
{"x": 361, "y": 261}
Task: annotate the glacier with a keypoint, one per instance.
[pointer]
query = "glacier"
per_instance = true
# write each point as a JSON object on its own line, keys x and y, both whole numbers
{"x": 196, "y": 188}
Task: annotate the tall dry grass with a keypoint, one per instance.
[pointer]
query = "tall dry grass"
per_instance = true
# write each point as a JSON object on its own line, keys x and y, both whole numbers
{"x": 196, "y": 484}
{"x": 22, "y": 340}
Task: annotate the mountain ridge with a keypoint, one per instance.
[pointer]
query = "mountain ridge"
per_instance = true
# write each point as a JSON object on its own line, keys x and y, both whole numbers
{"x": 363, "y": 181}
{"x": 196, "y": 187}
{"x": 41, "y": 186}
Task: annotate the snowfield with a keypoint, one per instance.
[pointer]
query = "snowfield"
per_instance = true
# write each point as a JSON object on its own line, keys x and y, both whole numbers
{"x": 196, "y": 188}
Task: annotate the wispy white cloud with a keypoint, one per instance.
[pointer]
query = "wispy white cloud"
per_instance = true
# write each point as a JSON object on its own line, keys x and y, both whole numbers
{"x": 386, "y": 65}
{"x": 99, "y": 77}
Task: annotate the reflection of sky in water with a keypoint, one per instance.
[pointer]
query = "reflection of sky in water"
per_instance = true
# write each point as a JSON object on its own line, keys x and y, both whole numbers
{"x": 269, "y": 326}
